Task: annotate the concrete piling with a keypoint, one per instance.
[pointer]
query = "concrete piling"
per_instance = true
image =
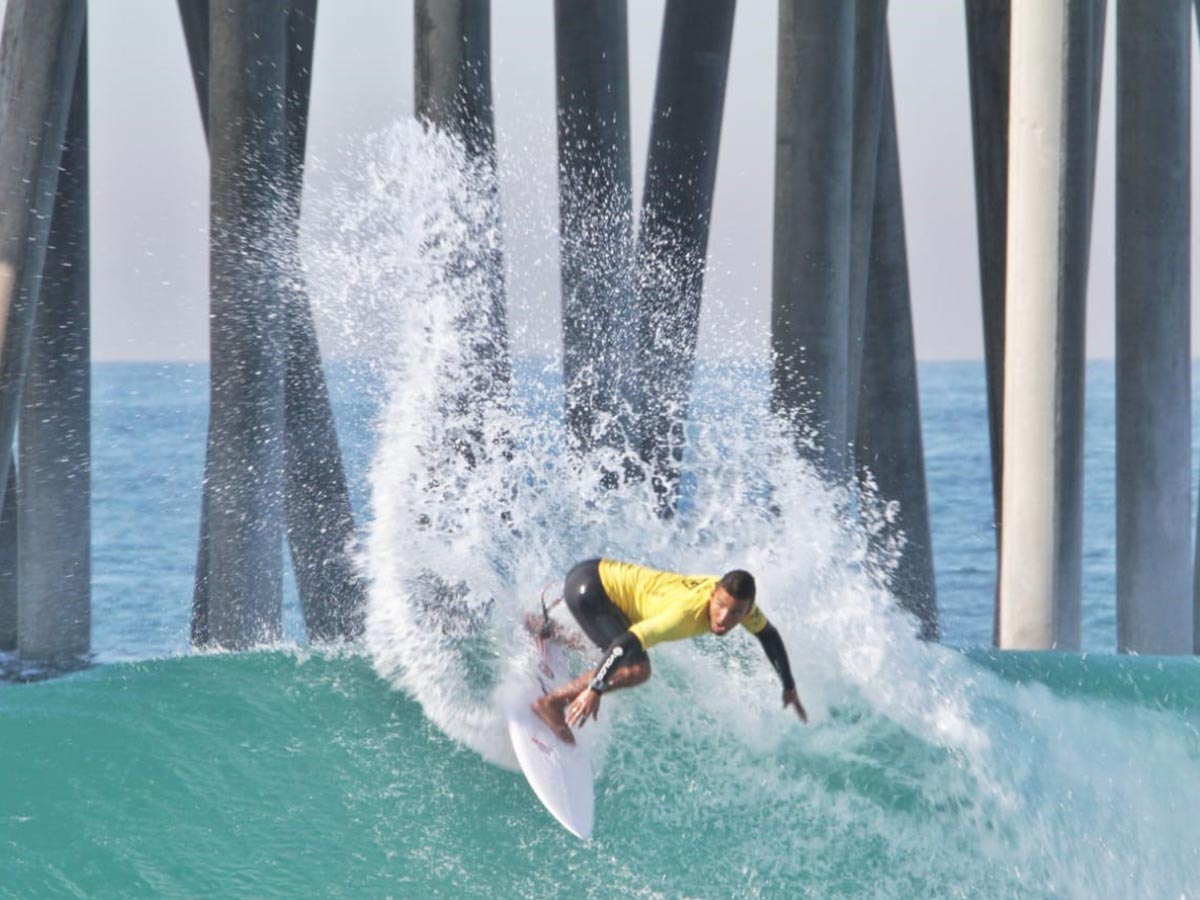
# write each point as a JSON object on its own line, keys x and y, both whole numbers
{"x": 811, "y": 262}
{"x": 317, "y": 516}
{"x": 1153, "y": 284}
{"x": 238, "y": 600}
{"x": 870, "y": 35}
{"x": 453, "y": 96}
{"x": 1057, "y": 53}
{"x": 453, "y": 88}
{"x": 988, "y": 32}
{"x": 453, "y": 74}
{"x": 672, "y": 240}
{"x": 318, "y": 520}
{"x": 888, "y": 441}
{"x": 595, "y": 222}
{"x": 39, "y": 53}
{"x": 54, "y": 447}
{"x": 39, "y": 65}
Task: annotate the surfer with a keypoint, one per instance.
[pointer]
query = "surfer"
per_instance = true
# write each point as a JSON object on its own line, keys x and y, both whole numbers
{"x": 626, "y": 609}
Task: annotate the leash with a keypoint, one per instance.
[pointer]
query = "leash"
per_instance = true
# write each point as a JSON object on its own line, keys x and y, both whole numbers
{"x": 547, "y": 628}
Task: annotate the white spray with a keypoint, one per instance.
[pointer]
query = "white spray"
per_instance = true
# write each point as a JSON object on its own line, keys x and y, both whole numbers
{"x": 460, "y": 544}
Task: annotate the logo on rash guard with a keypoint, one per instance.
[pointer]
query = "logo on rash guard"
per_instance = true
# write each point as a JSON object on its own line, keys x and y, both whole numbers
{"x": 617, "y": 653}
{"x": 599, "y": 681}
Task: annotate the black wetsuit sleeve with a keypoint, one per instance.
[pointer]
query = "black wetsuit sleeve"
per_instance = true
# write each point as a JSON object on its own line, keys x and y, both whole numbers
{"x": 624, "y": 649}
{"x": 772, "y": 645}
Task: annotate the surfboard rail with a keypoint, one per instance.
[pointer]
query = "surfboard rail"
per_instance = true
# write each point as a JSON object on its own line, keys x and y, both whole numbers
{"x": 560, "y": 774}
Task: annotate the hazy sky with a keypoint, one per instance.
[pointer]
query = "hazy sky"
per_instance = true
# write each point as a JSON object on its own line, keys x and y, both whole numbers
{"x": 150, "y": 166}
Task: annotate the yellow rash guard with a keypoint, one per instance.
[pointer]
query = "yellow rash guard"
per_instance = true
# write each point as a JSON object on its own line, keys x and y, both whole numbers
{"x": 665, "y": 606}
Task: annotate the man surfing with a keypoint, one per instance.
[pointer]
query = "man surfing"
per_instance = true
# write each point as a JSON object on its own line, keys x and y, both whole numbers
{"x": 626, "y": 609}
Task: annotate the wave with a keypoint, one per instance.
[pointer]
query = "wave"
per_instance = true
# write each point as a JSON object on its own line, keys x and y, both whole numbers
{"x": 923, "y": 772}
{"x": 294, "y": 772}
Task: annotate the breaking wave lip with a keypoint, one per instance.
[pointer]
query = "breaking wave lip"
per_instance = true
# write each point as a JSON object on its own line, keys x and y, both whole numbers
{"x": 474, "y": 508}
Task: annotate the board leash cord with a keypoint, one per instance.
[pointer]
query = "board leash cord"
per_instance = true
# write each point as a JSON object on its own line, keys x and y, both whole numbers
{"x": 544, "y": 633}
{"x": 547, "y": 628}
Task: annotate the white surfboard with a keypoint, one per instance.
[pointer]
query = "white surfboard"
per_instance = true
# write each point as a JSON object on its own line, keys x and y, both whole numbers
{"x": 559, "y": 773}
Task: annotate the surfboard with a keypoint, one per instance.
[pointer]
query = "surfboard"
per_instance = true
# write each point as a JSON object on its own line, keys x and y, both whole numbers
{"x": 559, "y": 773}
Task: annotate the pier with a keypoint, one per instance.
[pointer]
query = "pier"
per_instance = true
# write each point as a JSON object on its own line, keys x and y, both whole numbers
{"x": 631, "y": 290}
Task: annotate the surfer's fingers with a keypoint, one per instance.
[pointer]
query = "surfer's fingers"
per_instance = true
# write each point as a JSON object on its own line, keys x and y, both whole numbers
{"x": 582, "y": 709}
{"x": 578, "y": 712}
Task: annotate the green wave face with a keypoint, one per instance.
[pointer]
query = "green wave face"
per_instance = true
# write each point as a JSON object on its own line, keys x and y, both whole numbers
{"x": 298, "y": 774}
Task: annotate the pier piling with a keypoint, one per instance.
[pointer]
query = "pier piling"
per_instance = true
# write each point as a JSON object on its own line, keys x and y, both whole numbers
{"x": 1153, "y": 287}
{"x": 1056, "y": 62}
{"x": 39, "y": 52}
{"x": 316, "y": 498}
{"x": 870, "y": 35}
{"x": 989, "y": 23}
{"x": 672, "y": 240}
{"x": 888, "y": 440}
{"x": 239, "y": 577}
{"x": 453, "y": 87}
{"x": 811, "y": 256}
{"x": 39, "y": 65}
{"x": 54, "y": 446}
{"x": 595, "y": 222}
{"x": 318, "y": 520}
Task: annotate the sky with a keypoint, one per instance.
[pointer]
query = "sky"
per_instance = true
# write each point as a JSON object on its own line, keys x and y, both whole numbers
{"x": 150, "y": 166}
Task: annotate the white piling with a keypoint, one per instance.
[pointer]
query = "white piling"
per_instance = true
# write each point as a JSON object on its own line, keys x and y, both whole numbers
{"x": 1056, "y": 49}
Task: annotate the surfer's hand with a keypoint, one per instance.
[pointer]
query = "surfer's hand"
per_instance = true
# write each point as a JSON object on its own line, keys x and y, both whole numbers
{"x": 583, "y": 707}
{"x": 790, "y": 699}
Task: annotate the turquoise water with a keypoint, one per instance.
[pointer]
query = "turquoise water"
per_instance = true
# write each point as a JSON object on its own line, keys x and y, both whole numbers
{"x": 294, "y": 774}
{"x": 289, "y": 772}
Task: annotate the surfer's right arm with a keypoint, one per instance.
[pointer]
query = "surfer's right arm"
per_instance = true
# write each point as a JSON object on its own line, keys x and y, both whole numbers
{"x": 772, "y": 644}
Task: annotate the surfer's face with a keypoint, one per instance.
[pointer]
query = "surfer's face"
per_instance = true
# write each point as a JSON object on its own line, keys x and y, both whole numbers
{"x": 725, "y": 611}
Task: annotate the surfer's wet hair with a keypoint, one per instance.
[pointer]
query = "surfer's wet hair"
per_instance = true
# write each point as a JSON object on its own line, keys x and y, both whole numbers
{"x": 739, "y": 584}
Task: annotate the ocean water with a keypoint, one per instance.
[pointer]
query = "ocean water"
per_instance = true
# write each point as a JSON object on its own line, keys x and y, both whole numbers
{"x": 382, "y": 769}
{"x": 294, "y": 771}
{"x": 148, "y": 446}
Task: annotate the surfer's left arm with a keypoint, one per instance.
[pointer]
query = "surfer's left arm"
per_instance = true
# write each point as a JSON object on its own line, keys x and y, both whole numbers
{"x": 625, "y": 664}
{"x": 772, "y": 645}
